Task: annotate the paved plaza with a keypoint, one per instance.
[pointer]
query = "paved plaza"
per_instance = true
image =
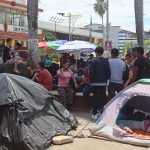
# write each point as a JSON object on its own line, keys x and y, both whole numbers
{"x": 85, "y": 123}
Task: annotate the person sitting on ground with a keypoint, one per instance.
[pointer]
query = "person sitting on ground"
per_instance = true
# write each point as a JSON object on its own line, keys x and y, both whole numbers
{"x": 80, "y": 79}
{"x": 43, "y": 76}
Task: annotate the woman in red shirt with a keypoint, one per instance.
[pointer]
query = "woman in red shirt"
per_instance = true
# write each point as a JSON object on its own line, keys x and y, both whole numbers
{"x": 43, "y": 76}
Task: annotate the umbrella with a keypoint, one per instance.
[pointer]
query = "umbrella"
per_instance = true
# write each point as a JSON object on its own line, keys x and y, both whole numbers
{"x": 61, "y": 42}
{"x": 43, "y": 44}
{"x": 75, "y": 46}
{"x": 52, "y": 44}
{"x": 48, "y": 45}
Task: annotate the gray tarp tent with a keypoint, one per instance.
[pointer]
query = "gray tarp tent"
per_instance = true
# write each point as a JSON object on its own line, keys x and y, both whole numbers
{"x": 29, "y": 115}
{"x": 136, "y": 96}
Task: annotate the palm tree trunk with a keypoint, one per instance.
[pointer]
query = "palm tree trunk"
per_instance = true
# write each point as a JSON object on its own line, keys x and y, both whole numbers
{"x": 138, "y": 4}
{"x": 103, "y": 33}
{"x": 32, "y": 12}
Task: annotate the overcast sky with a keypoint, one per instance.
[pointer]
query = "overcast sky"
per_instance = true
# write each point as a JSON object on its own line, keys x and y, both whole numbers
{"x": 121, "y": 11}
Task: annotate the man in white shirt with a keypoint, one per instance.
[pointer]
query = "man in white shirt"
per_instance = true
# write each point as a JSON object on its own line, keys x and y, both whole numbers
{"x": 117, "y": 67}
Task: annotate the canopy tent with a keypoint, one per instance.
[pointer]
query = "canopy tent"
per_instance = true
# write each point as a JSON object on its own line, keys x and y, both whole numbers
{"x": 137, "y": 96}
{"x": 48, "y": 45}
{"x": 60, "y": 42}
{"x": 29, "y": 115}
{"x": 74, "y": 46}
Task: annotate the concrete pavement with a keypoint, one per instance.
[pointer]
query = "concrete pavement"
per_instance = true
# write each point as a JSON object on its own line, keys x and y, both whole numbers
{"x": 85, "y": 123}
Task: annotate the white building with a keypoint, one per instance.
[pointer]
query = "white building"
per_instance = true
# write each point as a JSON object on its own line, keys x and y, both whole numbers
{"x": 117, "y": 35}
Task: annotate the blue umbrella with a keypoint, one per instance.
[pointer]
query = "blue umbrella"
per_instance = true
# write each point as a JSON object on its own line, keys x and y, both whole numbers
{"x": 61, "y": 42}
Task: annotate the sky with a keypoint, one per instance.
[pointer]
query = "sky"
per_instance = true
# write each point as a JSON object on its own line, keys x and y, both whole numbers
{"x": 121, "y": 12}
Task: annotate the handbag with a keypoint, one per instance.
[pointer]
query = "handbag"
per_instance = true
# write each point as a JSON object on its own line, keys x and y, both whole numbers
{"x": 71, "y": 83}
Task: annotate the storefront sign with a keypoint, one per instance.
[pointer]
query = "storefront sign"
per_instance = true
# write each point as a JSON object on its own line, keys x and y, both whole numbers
{"x": 108, "y": 44}
{"x": 20, "y": 29}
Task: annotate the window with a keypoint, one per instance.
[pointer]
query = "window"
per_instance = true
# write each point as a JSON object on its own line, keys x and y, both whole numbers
{"x": 13, "y": 11}
{"x": 9, "y": 18}
{"x": 24, "y": 21}
{"x": 17, "y": 20}
{"x": 2, "y": 18}
{"x": 7, "y": 9}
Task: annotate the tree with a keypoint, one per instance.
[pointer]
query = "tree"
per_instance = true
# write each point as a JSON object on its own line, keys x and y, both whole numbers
{"x": 147, "y": 45}
{"x": 32, "y": 14}
{"x": 100, "y": 8}
{"x": 49, "y": 36}
{"x": 138, "y": 4}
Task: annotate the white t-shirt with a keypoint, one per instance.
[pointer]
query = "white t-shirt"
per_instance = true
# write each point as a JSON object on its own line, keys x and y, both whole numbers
{"x": 117, "y": 67}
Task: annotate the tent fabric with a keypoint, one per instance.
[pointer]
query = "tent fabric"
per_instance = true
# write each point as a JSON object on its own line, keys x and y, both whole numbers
{"x": 139, "y": 94}
{"x": 29, "y": 115}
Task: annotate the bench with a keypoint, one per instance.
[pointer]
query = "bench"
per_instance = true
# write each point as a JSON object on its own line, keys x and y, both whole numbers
{"x": 79, "y": 102}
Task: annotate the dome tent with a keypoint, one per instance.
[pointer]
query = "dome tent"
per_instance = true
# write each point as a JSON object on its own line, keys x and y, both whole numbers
{"x": 29, "y": 115}
{"x": 138, "y": 97}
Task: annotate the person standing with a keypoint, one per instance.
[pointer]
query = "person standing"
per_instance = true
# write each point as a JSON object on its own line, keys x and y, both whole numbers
{"x": 99, "y": 73}
{"x": 139, "y": 64}
{"x": 65, "y": 90}
{"x": 117, "y": 67}
{"x": 7, "y": 50}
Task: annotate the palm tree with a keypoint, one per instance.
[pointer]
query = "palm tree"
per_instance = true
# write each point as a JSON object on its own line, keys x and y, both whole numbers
{"x": 100, "y": 8}
{"x": 32, "y": 14}
{"x": 138, "y": 4}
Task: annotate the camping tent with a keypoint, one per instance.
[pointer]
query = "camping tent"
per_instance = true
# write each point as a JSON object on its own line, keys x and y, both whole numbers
{"x": 136, "y": 96}
{"x": 29, "y": 115}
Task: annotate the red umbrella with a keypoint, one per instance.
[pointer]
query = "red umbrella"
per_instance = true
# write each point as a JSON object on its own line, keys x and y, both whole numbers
{"x": 43, "y": 45}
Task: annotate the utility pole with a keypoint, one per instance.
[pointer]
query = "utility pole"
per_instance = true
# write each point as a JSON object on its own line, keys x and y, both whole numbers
{"x": 90, "y": 30}
{"x": 70, "y": 26}
{"x": 107, "y": 22}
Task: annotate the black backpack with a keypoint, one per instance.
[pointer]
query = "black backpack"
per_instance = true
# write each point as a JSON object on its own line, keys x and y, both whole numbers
{"x": 146, "y": 70}
{"x": 126, "y": 73}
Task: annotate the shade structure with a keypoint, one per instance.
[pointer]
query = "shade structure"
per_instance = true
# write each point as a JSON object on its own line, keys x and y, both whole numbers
{"x": 61, "y": 42}
{"x": 48, "y": 45}
{"x": 52, "y": 44}
{"x": 74, "y": 46}
{"x": 43, "y": 44}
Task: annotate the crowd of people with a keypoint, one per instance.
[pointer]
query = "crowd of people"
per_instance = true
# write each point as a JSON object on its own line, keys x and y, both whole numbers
{"x": 96, "y": 75}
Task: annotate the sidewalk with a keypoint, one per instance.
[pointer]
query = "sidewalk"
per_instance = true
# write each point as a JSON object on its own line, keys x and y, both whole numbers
{"x": 86, "y": 123}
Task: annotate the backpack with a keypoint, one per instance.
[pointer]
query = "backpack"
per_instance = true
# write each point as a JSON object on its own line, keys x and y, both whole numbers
{"x": 146, "y": 70}
{"x": 126, "y": 74}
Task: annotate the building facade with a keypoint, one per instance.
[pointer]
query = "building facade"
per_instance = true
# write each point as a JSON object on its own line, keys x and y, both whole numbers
{"x": 62, "y": 32}
{"x": 13, "y": 21}
{"x": 14, "y": 24}
{"x": 119, "y": 37}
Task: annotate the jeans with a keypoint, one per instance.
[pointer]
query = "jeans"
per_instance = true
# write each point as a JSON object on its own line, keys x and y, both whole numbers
{"x": 99, "y": 93}
{"x": 87, "y": 90}
{"x": 113, "y": 88}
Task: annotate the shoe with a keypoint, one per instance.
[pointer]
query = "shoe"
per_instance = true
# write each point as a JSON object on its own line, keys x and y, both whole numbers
{"x": 96, "y": 117}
